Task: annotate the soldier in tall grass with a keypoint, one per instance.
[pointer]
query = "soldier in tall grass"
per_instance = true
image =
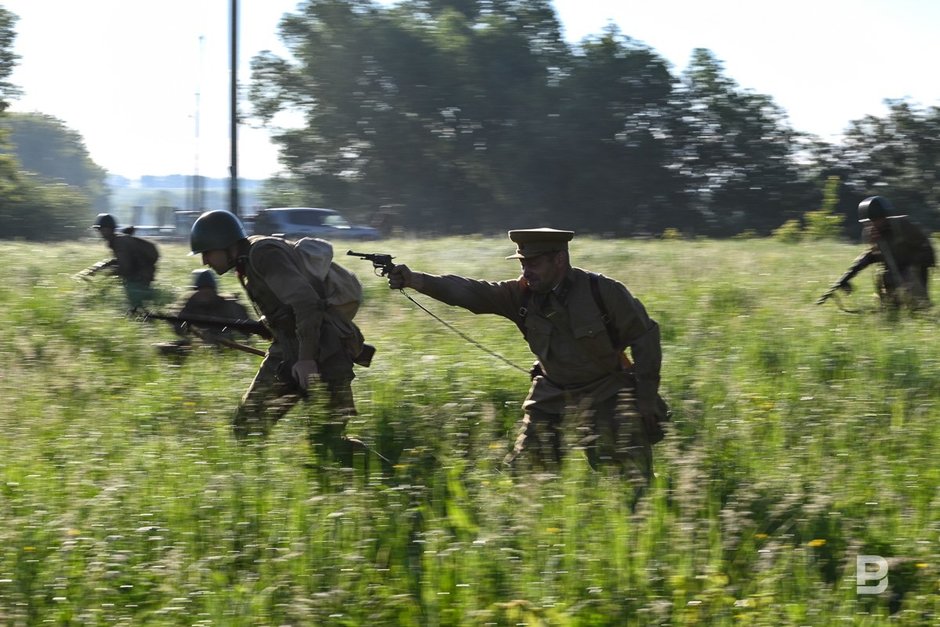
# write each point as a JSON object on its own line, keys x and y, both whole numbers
{"x": 578, "y": 324}
{"x": 203, "y": 300}
{"x": 308, "y": 352}
{"x": 134, "y": 261}
{"x": 903, "y": 250}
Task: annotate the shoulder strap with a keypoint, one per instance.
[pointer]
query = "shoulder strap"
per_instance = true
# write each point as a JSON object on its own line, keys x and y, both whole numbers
{"x": 595, "y": 292}
{"x": 524, "y": 308}
{"x": 605, "y": 315}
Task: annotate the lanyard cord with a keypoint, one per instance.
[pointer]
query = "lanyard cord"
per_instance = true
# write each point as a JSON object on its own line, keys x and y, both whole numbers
{"x": 463, "y": 335}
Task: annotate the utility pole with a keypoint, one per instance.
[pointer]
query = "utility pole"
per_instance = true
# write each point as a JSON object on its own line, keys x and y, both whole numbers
{"x": 233, "y": 123}
{"x": 197, "y": 201}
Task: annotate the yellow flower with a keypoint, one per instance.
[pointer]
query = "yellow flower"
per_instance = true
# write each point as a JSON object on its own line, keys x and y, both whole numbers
{"x": 818, "y": 542}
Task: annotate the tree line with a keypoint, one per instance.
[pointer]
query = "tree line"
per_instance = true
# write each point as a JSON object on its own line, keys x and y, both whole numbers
{"x": 468, "y": 116}
{"x": 476, "y": 115}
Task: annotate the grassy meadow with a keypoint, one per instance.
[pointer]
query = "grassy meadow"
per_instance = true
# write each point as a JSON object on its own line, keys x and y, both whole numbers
{"x": 803, "y": 436}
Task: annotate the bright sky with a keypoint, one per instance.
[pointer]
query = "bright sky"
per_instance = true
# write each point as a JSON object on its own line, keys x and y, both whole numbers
{"x": 147, "y": 83}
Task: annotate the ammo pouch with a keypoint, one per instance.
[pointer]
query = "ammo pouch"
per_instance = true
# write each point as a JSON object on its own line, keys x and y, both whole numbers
{"x": 351, "y": 338}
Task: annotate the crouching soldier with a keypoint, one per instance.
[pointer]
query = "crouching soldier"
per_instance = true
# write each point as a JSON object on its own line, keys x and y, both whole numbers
{"x": 311, "y": 349}
{"x": 204, "y": 301}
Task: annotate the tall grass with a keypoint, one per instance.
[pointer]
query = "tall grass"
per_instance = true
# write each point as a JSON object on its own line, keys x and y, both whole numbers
{"x": 802, "y": 437}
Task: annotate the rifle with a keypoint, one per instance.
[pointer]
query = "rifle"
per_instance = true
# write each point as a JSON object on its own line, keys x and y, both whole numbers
{"x": 840, "y": 284}
{"x": 252, "y": 327}
{"x": 92, "y": 270}
{"x": 381, "y": 262}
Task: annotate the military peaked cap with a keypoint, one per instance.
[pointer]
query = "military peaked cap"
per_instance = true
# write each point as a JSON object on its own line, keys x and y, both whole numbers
{"x": 534, "y": 242}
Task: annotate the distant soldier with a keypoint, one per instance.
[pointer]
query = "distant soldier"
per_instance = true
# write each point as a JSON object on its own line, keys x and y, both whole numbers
{"x": 901, "y": 247}
{"x": 203, "y": 301}
{"x": 314, "y": 347}
{"x": 578, "y": 325}
{"x": 134, "y": 261}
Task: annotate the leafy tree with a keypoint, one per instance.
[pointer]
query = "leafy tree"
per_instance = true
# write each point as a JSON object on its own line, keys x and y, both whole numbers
{"x": 897, "y": 156}
{"x": 45, "y": 146}
{"x": 39, "y": 211}
{"x": 825, "y": 223}
{"x": 281, "y": 191}
{"x": 611, "y": 157}
{"x": 30, "y": 207}
{"x": 737, "y": 152}
{"x": 9, "y": 179}
{"x": 425, "y": 105}
{"x": 475, "y": 115}
{"x": 8, "y": 58}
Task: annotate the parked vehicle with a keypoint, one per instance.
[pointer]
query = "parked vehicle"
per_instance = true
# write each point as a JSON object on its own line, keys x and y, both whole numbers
{"x": 297, "y": 222}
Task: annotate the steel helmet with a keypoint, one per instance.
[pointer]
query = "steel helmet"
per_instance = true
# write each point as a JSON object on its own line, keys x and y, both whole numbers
{"x": 215, "y": 230}
{"x": 105, "y": 221}
{"x": 203, "y": 278}
{"x": 873, "y": 208}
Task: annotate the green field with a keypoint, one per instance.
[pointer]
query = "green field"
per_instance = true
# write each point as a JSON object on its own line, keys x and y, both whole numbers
{"x": 802, "y": 438}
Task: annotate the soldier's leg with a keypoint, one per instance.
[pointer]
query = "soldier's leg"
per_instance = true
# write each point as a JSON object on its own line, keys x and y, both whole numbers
{"x": 622, "y": 439}
{"x": 137, "y": 294}
{"x": 923, "y": 274}
{"x": 540, "y": 436}
{"x": 915, "y": 282}
{"x": 267, "y": 400}
{"x": 328, "y": 435}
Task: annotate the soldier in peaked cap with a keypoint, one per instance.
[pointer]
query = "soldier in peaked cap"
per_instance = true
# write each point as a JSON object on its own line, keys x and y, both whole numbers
{"x": 531, "y": 243}
{"x": 585, "y": 392}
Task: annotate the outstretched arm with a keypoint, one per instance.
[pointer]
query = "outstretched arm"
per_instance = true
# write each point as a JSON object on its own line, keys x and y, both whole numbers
{"x": 502, "y": 298}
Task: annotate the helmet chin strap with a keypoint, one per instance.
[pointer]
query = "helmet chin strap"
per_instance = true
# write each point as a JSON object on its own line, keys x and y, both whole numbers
{"x": 239, "y": 262}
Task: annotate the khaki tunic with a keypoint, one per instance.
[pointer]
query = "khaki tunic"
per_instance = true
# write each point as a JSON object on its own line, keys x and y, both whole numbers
{"x": 135, "y": 265}
{"x": 133, "y": 262}
{"x": 565, "y": 330}
{"x": 581, "y": 369}
{"x": 284, "y": 294}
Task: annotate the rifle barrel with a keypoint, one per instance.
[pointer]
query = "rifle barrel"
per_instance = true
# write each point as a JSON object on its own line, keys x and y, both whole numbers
{"x": 247, "y": 326}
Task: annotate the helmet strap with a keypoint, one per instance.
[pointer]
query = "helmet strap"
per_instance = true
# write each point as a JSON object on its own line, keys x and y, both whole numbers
{"x": 241, "y": 265}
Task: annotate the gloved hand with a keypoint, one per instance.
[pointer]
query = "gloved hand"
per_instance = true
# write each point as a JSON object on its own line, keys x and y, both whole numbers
{"x": 303, "y": 371}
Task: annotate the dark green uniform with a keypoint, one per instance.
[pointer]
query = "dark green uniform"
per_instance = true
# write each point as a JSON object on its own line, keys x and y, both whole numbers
{"x": 135, "y": 261}
{"x": 910, "y": 251}
{"x": 203, "y": 303}
{"x": 580, "y": 374}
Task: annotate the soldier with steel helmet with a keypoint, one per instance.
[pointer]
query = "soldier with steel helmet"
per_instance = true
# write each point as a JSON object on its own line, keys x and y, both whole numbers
{"x": 313, "y": 349}
{"x": 203, "y": 300}
{"x": 134, "y": 261}
{"x": 903, "y": 250}
{"x": 585, "y": 392}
